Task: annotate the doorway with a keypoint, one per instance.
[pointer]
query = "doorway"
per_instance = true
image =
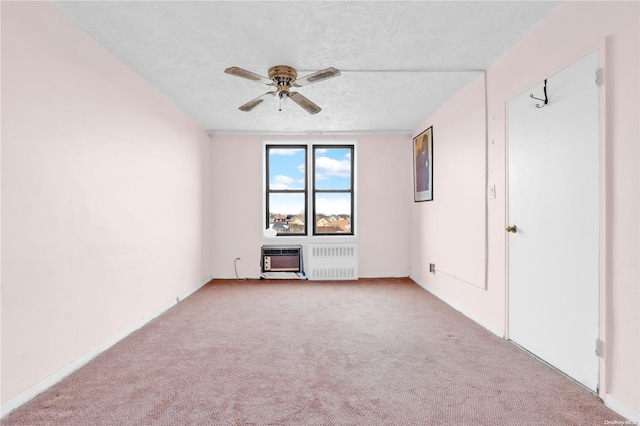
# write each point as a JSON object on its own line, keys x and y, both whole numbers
{"x": 553, "y": 220}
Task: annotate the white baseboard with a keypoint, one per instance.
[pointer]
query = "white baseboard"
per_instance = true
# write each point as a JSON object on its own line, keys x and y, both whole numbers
{"x": 193, "y": 289}
{"x": 44, "y": 384}
{"x": 614, "y": 404}
{"x": 463, "y": 311}
{"x": 623, "y": 409}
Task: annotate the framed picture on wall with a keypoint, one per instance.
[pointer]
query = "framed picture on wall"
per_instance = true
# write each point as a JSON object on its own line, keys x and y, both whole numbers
{"x": 423, "y": 166}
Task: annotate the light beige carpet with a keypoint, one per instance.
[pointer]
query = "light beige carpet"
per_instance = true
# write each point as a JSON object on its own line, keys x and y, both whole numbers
{"x": 371, "y": 352}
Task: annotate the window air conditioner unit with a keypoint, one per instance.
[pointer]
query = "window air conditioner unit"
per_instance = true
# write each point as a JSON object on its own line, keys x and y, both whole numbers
{"x": 281, "y": 258}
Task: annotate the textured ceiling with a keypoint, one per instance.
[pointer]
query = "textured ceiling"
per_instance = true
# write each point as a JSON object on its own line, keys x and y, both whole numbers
{"x": 400, "y": 60}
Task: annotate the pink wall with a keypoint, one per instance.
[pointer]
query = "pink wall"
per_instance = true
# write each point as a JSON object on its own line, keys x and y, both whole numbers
{"x": 574, "y": 31}
{"x": 114, "y": 202}
{"x": 450, "y": 230}
{"x": 384, "y": 168}
{"x": 384, "y": 194}
{"x": 103, "y": 182}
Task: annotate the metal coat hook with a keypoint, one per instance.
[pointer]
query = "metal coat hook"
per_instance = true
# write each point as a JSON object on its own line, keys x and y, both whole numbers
{"x": 545, "y": 100}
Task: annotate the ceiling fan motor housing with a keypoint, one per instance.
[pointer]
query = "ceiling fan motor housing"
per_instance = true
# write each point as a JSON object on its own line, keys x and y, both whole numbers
{"x": 282, "y": 75}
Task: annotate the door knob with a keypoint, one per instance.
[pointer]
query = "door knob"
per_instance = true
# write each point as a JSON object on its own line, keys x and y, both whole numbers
{"x": 513, "y": 229}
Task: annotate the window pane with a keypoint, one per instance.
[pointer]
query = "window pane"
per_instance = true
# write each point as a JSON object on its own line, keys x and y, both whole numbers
{"x": 333, "y": 213}
{"x": 332, "y": 168}
{"x": 286, "y": 168}
{"x": 287, "y": 213}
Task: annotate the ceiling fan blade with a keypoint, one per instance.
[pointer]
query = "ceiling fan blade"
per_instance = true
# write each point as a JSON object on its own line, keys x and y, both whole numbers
{"x": 317, "y": 76}
{"x": 254, "y": 103}
{"x": 239, "y": 72}
{"x": 305, "y": 103}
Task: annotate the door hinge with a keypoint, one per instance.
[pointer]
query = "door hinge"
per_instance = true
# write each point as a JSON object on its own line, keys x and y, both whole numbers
{"x": 598, "y": 347}
{"x": 598, "y": 76}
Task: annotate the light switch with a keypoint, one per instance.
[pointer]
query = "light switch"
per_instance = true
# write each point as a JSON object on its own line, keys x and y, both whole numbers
{"x": 492, "y": 191}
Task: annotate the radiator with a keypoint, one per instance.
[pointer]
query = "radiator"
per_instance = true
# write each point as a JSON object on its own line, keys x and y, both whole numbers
{"x": 332, "y": 262}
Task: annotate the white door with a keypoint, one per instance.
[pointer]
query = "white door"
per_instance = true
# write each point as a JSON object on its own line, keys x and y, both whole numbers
{"x": 553, "y": 202}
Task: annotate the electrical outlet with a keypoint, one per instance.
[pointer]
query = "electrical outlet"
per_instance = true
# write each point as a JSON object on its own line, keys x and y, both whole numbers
{"x": 432, "y": 267}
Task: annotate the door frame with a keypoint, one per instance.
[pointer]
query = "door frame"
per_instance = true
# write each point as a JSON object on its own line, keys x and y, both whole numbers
{"x": 603, "y": 205}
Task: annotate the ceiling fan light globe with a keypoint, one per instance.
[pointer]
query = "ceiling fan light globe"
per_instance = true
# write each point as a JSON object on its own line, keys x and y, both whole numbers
{"x": 282, "y": 99}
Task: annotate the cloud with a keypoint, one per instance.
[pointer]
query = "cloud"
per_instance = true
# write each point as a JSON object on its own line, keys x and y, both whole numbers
{"x": 285, "y": 182}
{"x": 285, "y": 151}
{"x": 286, "y": 203}
{"x": 328, "y": 167}
{"x": 330, "y": 206}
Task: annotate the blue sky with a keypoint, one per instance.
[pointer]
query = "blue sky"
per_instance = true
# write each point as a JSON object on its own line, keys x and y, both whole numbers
{"x": 286, "y": 171}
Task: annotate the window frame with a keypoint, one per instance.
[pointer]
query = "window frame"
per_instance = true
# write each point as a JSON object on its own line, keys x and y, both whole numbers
{"x": 315, "y": 190}
{"x": 309, "y": 148}
{"x": 305, "y": 190}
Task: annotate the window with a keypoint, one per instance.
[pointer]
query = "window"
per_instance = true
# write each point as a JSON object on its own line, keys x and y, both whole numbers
{"x": 287, "y": 189}
{"x": 331, "y": 179}
{"x": 332, "y": 189}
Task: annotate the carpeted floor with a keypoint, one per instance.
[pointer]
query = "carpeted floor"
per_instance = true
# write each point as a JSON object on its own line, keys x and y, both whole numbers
{"x": 371, "y": 352}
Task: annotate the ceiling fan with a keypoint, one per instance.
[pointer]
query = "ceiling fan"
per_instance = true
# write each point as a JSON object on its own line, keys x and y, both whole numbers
{"x": 283, "y": 77}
